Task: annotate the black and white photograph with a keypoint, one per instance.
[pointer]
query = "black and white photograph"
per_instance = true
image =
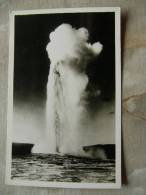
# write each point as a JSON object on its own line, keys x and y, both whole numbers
{"x": 64, "y": 98}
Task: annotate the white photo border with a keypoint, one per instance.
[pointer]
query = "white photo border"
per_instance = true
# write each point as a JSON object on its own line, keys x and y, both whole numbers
{"x": 8, "y": 179}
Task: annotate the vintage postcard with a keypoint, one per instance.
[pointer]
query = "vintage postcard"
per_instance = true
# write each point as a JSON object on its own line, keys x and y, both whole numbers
{"x": 64, "y": 98}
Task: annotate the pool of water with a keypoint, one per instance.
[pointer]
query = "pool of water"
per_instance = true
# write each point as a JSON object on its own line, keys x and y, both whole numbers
{"x": 62, "y": 168}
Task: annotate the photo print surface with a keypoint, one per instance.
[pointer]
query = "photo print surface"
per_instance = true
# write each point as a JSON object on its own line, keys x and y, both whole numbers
{"x": 64, "y": 122}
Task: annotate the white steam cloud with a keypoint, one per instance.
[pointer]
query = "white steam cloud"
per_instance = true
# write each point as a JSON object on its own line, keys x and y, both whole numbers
{"x": 67, "y": 42}
{"x": 69, "y": 53}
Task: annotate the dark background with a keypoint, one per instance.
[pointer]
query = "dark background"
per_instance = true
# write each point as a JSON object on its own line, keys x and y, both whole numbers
{"x": 31, "y": 63}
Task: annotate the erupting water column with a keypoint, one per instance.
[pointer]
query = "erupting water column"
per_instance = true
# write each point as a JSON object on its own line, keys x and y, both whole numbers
{"x": 69, "y": 53}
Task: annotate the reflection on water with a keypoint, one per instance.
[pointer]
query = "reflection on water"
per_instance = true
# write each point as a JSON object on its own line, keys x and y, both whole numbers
{"x": 57, "y": 168}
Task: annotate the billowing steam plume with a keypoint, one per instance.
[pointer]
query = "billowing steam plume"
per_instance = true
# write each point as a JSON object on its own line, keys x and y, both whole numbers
{"x": 69, "y": 53}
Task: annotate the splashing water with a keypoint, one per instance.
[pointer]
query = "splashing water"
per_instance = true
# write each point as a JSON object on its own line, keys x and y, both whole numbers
{"x": 69, "y": 53}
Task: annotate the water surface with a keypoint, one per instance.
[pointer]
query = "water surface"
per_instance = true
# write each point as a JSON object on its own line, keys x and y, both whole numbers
{"x": 58, "y": 168}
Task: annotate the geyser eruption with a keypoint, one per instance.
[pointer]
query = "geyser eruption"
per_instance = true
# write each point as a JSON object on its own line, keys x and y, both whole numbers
{"x": 69, "y": 53}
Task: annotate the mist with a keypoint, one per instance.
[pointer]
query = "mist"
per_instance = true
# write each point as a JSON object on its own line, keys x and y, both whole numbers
{"x": 67, "y": 114}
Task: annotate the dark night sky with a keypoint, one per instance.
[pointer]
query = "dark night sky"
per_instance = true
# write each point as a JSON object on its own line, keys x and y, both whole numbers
{"x": 31, "y": 63}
